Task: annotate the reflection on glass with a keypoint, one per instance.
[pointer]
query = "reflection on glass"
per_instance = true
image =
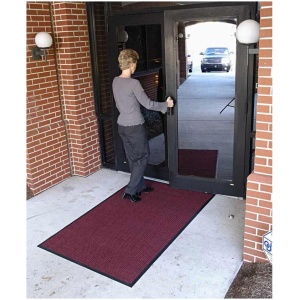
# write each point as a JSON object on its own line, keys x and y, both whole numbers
{"x": 146, "y": 41}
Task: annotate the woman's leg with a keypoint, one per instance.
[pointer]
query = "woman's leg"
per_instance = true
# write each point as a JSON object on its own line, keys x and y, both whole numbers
{"x": 136, "y": 146}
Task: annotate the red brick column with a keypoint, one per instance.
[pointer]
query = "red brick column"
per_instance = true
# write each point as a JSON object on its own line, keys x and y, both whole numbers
{"x": 74, "y": 67}
{"x": 182, "y": 53}
{"x": 62, "y": 130}
{"x": 47, "y": 149}
{"x": 258, "y": 217}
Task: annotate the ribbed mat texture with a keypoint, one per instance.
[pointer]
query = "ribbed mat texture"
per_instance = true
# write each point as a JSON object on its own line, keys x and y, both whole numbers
{"x": 121, "y": 239}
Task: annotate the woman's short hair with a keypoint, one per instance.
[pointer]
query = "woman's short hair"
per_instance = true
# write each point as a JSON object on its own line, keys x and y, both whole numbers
{"x": 126, "y": 57}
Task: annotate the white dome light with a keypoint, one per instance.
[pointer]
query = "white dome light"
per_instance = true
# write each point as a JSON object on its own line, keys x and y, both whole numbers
{"x": 247, "y": 32}
{"x": 122, "y": 36}
{"x": 43, "y": 40}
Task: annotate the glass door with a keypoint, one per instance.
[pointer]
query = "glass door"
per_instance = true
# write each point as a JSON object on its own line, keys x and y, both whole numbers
{"x": 207, "y": 130}
{"x": 144, "y": 34}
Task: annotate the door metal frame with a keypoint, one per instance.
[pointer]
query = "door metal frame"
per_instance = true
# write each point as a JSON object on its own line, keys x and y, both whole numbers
{"x": 243, "y": 103}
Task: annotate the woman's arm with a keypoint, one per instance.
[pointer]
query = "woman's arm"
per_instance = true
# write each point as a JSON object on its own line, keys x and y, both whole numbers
{"x": 147, "y": 102}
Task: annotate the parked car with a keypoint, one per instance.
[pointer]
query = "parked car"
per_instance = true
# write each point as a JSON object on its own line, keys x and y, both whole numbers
{"x": 190, "y": 63}
{"x": 216, "y": 59}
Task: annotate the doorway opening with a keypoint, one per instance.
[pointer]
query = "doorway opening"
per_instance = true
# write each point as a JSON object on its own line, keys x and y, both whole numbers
{"x": 206, "y": 95}
{"x": 215, "y": 121}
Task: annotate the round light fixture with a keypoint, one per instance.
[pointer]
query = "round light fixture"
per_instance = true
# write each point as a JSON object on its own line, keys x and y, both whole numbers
{"x": 43, "y": 40}
{"x": 122, "y": 36}
{"x": 247, "y": 32}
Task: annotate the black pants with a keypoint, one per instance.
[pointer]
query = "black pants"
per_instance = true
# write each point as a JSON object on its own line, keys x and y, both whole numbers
{"x": 136, "y": 147}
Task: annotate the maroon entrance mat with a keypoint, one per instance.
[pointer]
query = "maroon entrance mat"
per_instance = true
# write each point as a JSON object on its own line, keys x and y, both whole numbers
{"x": 121, "y": 239}
{"x": 202, "y": 163}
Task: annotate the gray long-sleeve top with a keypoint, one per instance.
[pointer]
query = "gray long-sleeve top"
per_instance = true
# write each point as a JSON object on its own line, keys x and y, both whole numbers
{"x": 129, "y": 94}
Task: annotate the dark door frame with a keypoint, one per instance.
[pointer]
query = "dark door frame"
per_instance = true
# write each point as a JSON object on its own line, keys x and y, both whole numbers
{"x": 160, "y": 172}
{"x": 243, "y": 105}
{"x": 134, "y": 18}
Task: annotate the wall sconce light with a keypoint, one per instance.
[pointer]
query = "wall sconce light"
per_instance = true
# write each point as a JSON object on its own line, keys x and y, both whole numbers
{"x": 43, "y": 41}
{"x": 122, "y": 36}
{"x": 180, "y": 36}
{"x": 247, "y": 33}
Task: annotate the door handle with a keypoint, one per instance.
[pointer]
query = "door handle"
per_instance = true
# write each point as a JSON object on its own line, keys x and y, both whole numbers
{"x": 170, "y": 110}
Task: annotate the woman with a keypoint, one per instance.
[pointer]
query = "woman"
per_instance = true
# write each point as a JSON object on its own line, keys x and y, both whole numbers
{"x": 129, "y": 95}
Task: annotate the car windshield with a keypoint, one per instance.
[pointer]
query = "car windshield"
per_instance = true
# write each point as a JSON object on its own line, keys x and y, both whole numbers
{"x": 214, "y": 51}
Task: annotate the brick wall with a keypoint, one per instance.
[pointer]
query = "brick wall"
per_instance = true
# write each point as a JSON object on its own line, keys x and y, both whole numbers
{"x": 74, "y": 67}
{"x": 149, "y": 83}
{"x": 47, "y": 149}
{"x": 182, "y": 55}
{"x": 62, "y": 131}
{"x": 258, "y": 217}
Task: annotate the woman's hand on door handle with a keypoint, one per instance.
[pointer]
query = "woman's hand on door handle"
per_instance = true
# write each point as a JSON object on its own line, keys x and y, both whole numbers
{"x": 170, "y": 102}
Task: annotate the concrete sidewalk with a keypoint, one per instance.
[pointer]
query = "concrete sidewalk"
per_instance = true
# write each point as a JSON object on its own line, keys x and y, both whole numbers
{"x": 201, "y": 263}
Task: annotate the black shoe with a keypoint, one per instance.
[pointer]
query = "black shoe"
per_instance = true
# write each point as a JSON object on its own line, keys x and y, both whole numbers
{"x": 133, "y": 198}
{"x": 148, "y": 189}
